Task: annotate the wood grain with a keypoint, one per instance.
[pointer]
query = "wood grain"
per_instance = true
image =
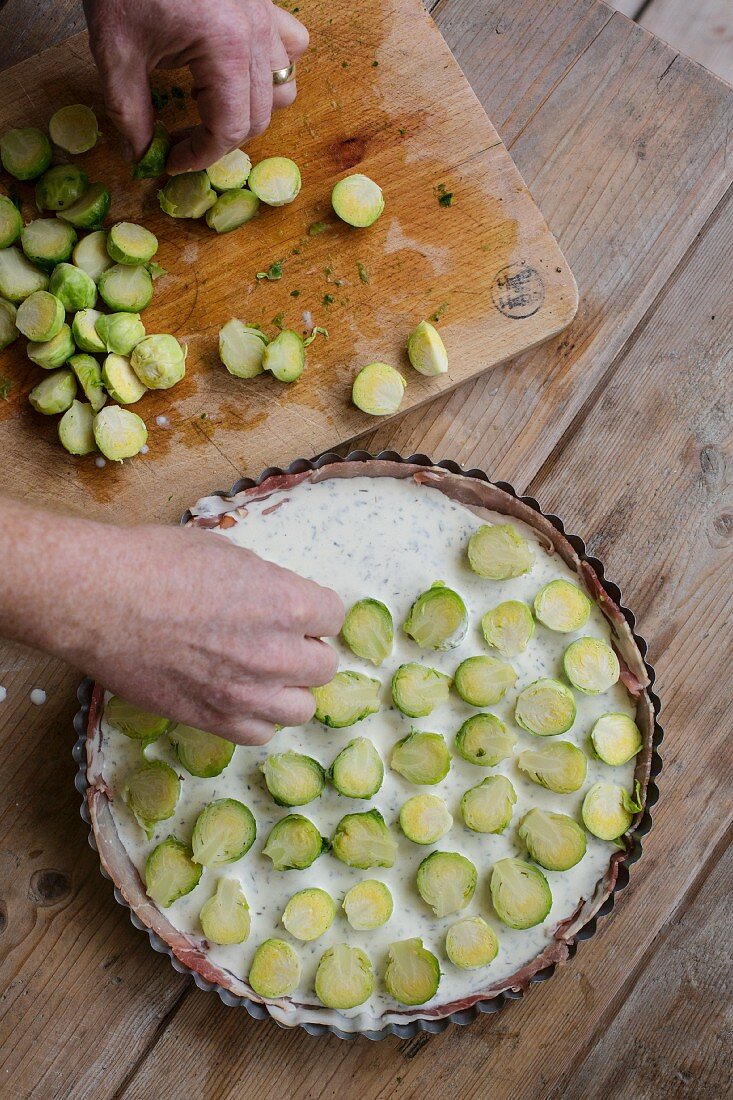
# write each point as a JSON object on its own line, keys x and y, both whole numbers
{"x": 704, "y": 33}
{"x": 647, "y": 1050}
{"x": 418, "y": 258}
{"x": 635, "y": 457}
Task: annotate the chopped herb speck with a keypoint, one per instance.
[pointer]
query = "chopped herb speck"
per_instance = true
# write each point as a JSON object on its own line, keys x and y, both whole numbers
{"x": 445, "y": 197}
{"x": 5, "y": 387}
{"x": 317, "y": 227}
{"x": 277, "y": 320}
{"x": 328, "y": 299}
{"x": 295, "y": 294}
{"x": 273, "y": 273}
{"x": 363, "y": 273}
{"x": 375, "y": 64}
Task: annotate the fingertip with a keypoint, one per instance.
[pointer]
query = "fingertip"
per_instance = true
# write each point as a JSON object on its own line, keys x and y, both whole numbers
{"x": 252, "y": 731}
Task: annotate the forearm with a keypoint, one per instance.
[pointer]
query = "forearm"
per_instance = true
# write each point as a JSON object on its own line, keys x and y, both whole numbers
{"x": 53, "y": 566}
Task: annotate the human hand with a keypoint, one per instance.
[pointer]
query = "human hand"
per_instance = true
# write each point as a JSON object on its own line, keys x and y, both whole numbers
{"x": 232, "y": 48}
{"x": 195, "y": 628}
{"x": 178, "y": 621}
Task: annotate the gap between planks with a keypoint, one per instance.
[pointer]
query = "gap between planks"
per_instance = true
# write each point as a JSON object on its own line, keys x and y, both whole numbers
{"x": 625, "y": 990}
{"x": 632, "y": 339}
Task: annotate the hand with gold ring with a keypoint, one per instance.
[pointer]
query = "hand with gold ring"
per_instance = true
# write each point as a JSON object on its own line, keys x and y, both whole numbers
{"x": 241, "y": 54}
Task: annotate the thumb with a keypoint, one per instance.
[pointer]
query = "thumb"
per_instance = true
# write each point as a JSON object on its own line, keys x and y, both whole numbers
{"x": 128, "y": 102}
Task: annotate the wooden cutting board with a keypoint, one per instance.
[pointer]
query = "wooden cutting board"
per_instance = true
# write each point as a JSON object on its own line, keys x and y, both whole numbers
{"x": 380, "y": 93}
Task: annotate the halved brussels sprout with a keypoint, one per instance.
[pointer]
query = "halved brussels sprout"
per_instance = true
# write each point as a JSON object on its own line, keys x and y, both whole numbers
{"x": 122, "y": 383}
{"x": 89, "y": 376}
{"x": 275, "y": 969}
{"x": 426, "y": 350}
{"x": 129, "y": 243}
{"x": 152, "y": 162}
{"x": 91, "y": 255}
{"x": 368, "y": 905}
{"x": 187, "y": 196}
{"x": 225, "y": 830}
{"x": 126, "y": 288}
{"x": 74, "y": 128}
{"x": 60, "y": 187}
{"x": 48, "y": 241}
{"x": 616, "y": 738}
{"x": 590, "y": 665}
{"x": 25, "y": 153}
{"x": 368, "y": 630}
{"x": 357, "y": 200}
{"x": 421, "y": 757}
{"x": 159, "y": 361}
{"x": 231, "y": 210}
{"x": 76, "y": 429}
{"x": 446, "y": 881}
{"x": 348, "y": 698}
{"x": 294, "y": 843}
{"x": 52, "y": 353}
{"x": 378, "y": 389}
{"x": 438, "y": 618}
{"x": 119, "y": 433}
{"x": 54, "y": 394}
{"x": 508, "y": 627}
{"x": 608, "y": 810}
{"x": 499, "y": 552}
{"x": 11, "y": 223}
{"x": 151, "y": 793}
{"x": 471, "y": 943}
{"x": 488, "y": 807}
{"x": 483, "y": 739}
{"x": 84, "y": 331}
{"x": 90, "y": 210}
{"x": 292, "y": 778}
{"x": 18, "y": 276}
{"x": 562, "y": 606}
{"x": 559, "y": 766}
{"x": 275, "y": 180}
{"x": 546, "y": 707}
{"x": 8, "y": 332}
{"x": 412, "y": 976}
{"x": 425, "y": 818}
{"x": 309, "y": 914}
{"x": 553, "y": 840}
{"x": 41, "y": 316}
{"x": 241, "y": 348}
{"x": 225, "y": 916}
{"x": 357, "y": 771}
{"x": 344, "y": 978}
{"x": 170, "y": 872}
{"x": 520, "y": 893}
{"x": 483, "y": 681}
{"x": 230, "y": 172}
{"x": 364, "y": 840}
{"x": 121, "y": 332}
{"x": 73, "y": 287}
{"x": 284, "y": 356}
{"x": 202, "y": 754}
{"x": 417, "y": 690}
{"x": 138, "y": 724}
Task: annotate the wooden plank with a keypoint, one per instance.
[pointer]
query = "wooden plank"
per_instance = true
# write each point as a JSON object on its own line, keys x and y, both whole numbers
{"x": 488, "y": 260}
{"x": 26, "y": 28}
{"x": 627, "y": 7}
{"x": 602, "y": 156}
{"x": 704, "y": 33}
{"x": 650, "y": 1049}
{"x": 645, "y": 476}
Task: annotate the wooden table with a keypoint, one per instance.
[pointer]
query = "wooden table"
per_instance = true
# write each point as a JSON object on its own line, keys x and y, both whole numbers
{"x": 622, "y": 425}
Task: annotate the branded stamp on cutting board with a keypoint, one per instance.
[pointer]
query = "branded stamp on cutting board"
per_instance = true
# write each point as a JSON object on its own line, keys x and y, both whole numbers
{"x": 380, "y": 93}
